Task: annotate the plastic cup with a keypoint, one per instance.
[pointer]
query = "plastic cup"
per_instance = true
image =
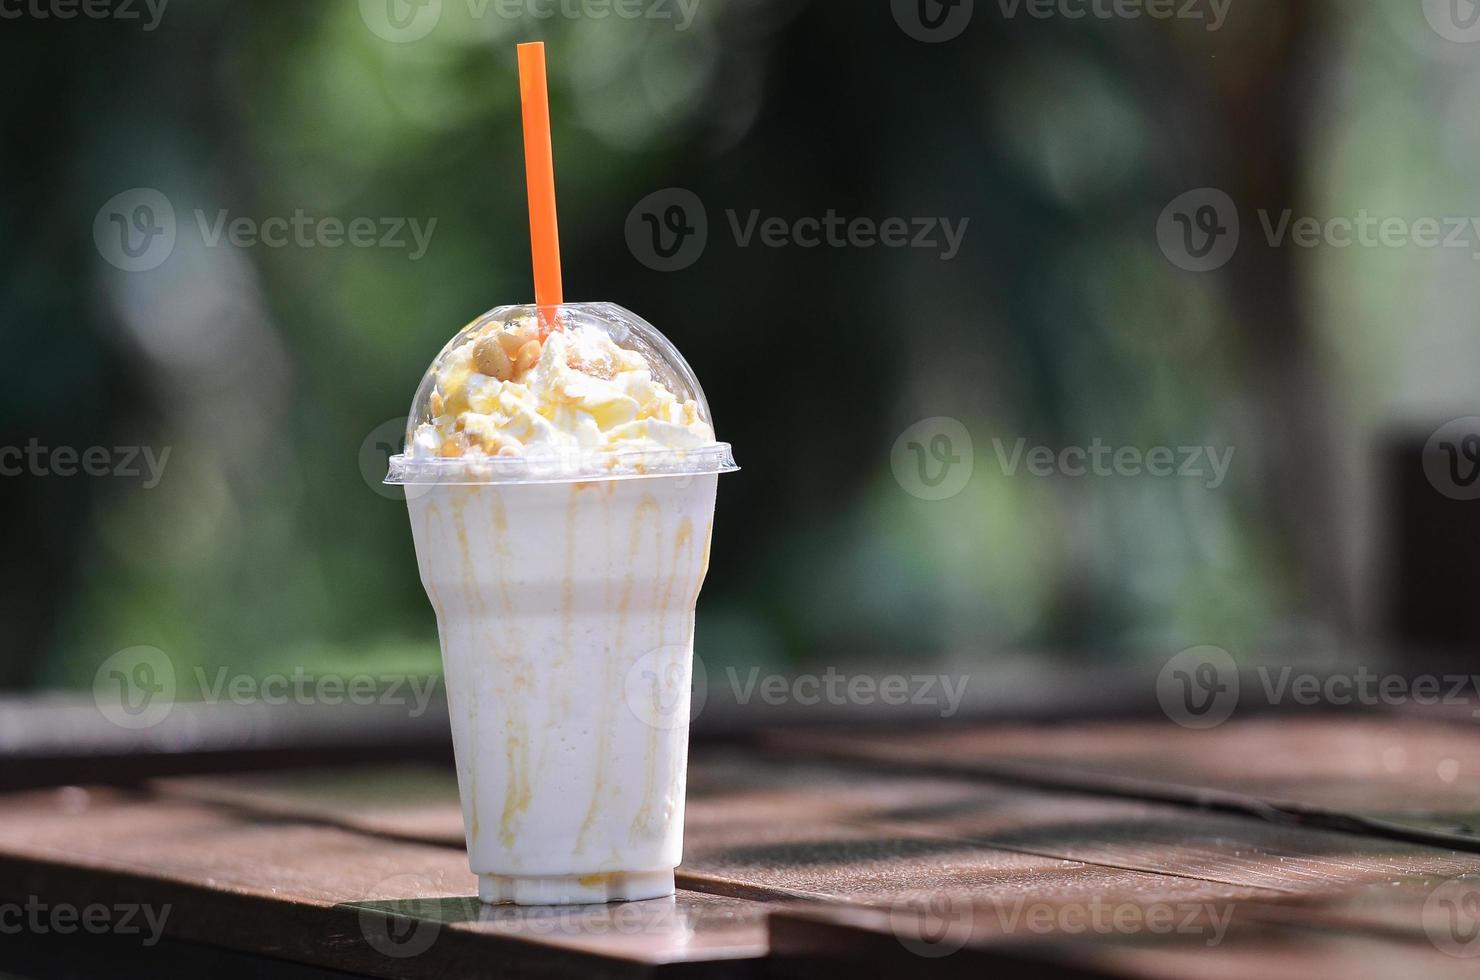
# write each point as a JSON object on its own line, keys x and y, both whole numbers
{"x": 564, "y": 586}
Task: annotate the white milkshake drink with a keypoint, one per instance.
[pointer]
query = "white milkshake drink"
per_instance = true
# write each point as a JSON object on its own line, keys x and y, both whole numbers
{"x": 562, "y": 500}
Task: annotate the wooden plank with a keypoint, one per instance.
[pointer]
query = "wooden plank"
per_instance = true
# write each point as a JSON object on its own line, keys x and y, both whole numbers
{"x": 1298, "y": 877}
{"x": 796, "y": 833}
{"x": 973, "y": 943}
{"x": 56, "y": 739}
{"x": 297, "y": 859}
{"x": 405, "y": 802}
{"x": 801, "y": 835}
{"x": 1382, "y": 775}
{"x": 743, "y": 848}
{"x": 288, "y": 888}
{"x": 859, "y": 837}
{"x": 733, "y": 790}
{"x": 1130, "y": 834}
{"x": 88, "y": 955}
{"x": 322, "y": 895}
{"x": 302, "y": 890}
{"x": 862, "y": 865}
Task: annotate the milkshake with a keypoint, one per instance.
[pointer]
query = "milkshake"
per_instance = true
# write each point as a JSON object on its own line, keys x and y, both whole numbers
{"x": 560, "y": 472}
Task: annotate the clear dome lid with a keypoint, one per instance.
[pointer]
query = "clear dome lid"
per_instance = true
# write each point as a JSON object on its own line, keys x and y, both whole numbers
{"x": 593, "y": 392}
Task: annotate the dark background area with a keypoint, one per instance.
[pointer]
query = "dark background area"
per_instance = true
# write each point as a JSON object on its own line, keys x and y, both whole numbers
{"x": 268, "y": 544}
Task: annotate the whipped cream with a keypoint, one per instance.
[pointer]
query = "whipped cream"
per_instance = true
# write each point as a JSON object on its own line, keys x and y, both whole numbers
{"x": 507, "y": 391}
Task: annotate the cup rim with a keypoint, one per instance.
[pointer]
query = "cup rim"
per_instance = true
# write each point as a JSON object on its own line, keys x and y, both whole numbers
{"x": 561, "y": 467}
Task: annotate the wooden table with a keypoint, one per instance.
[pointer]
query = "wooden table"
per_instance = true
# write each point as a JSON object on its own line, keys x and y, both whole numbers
{"x": 1276, "y": 847}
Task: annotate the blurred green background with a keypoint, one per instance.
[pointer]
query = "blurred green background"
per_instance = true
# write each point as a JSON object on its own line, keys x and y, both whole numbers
{"x": 264, "y": 370}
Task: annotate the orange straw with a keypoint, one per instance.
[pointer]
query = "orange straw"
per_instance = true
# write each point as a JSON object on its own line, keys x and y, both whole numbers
{"x": 539, "y": 174}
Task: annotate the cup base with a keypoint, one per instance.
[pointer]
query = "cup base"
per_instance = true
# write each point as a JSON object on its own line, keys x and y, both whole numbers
{"x": 596, "y": 889}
